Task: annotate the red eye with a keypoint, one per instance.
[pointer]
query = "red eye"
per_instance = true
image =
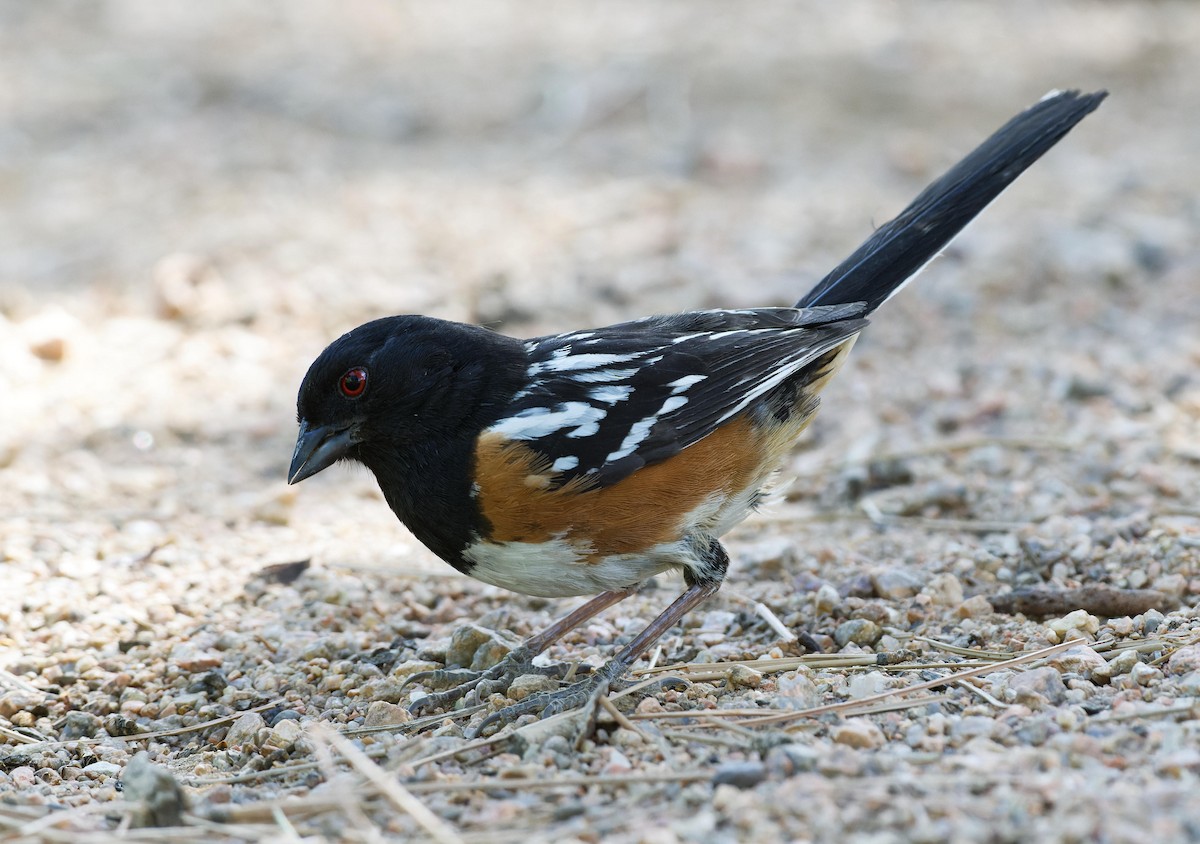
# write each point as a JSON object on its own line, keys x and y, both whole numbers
{"x": 353, "y": 383}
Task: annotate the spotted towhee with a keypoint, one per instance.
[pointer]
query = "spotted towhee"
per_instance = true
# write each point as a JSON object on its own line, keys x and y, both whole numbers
{"x": 587, "y": 462}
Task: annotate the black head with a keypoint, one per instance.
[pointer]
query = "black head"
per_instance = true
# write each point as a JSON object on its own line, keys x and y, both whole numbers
{"x": 393, "y": 384}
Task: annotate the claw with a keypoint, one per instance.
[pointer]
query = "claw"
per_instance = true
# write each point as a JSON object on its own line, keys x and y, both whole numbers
{"x": 584, "y": 693}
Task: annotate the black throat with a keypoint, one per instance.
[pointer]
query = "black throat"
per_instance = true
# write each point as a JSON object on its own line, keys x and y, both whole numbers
{"x": 427, "y": 479}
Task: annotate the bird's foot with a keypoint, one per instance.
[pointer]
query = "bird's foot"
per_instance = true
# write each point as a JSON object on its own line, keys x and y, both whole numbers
{"x": 583, "y": 694}
{"x": 479, "y": 685}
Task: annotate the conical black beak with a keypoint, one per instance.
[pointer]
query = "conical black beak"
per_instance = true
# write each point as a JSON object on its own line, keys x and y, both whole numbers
{"x": 316, "y": 449}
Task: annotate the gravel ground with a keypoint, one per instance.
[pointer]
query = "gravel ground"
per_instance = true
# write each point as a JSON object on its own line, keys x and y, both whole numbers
{"x": 195, "y": 198}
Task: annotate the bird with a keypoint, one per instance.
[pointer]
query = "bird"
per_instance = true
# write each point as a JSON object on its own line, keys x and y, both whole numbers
{"x": 589, "y": 461}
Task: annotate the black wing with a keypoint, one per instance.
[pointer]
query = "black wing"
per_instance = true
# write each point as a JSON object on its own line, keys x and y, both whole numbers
{"x": 602, "y": 403}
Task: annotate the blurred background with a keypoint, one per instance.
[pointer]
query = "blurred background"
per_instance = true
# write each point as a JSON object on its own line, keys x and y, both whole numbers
{"x": 195, "y": 198}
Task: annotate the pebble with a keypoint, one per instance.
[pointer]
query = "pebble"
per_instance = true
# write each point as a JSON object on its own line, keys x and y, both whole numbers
{"x": 96, "y": 770}
{"x": 1185, "y": 660}
{"x": 895, "y": 584}
{"x": 1189, "y": 684}
{"x": 476, "y": 647}
{"x": 244, "y": 730}
{"x": 528, "y": 684}
{"x": 945, "y": 590}
{"x": 976, "y": 606}
{"x": 618, "y": 763}
{"x": 860, "y": 631}
{"x": 858, "y": 732}
{"x": 158, "y": 797}
{"x": 797, "y": 690}
{"x": 1083, "y": 661}
{"x": 18, "y": 701}
{"x": 285, "y": 715}
{"x": 79, "y": 725}
{"x": 1145, "y": 674}
{"x": 286, "y": 733}
{"x": 866, "y": 684}
{"x": 1120, "y": 664}
{"x": 827, "y": 598}
{"x": 381, "y": 713}
{"x": 1045, "y": 682}
{"x": 740, "y": 774}
{"x": 1151, "y": 621}
{"x": 743, "y": 677}
{"x": 402, "y": 670}
{"x": 1072, "y": 625}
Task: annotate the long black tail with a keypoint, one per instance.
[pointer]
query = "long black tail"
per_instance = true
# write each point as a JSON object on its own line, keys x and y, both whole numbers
{"x": 902, "y": 247}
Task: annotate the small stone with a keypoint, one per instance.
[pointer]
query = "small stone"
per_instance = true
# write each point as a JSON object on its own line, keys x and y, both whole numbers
{"x": 1044, "y": 681}
{"x": 1120, "y": 664}
{"x": 286, "y": 733}
{"x": 740, "y": 774}
{"x": 243, "y": 731}
{"x": 618, "y": 763}
{"x": 22, "y": 777}
{"x": 528, "y": 684}
{"x": 1081, "y": 660}
{"x": 1189, "y": 684}
{"x": 100, "y": 770}
{"x": 865, "y": 685}
{"x": 79, "y": 725}
{"x": 797, "y": 690}
{"x": 1151, "y": 621}
{"x": 195, "y": 661}
{"x": 827, "y": 598}
{"x": 52, "y": 349}
{"x": 649, "y": 706}
{"x": 743, "y": 677}
{"x": 469, "y": 640}
{"x": 974, "y": 607}
{"x": 719, "y": 621}
{"x": 944, "y": 590}
{"x": 1074, "y": 623}
{"x": 860, "y": 631}
{"x": 1121, "y": 627}
{"x": 159, "y": 798}
{"x": 18, "y": 701}
{"x": 1144, "y": 674}
{"x": 381, "y": 713}
{"x": 275, "y": 507}
{"x": 1185, "y": 660}
{"x": 1179, "y": 763}
{"x": 895, "y": 584}
{"x": 858, "y": 732}
{"x": 285, "y": 715}
{"x": 413, "y": 666}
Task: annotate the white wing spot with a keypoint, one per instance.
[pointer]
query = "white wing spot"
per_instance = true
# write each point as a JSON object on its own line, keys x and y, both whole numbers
{"x": 641, "y": 429}
{"x": 680, "y": 385}
{"x": 610, "y": 394}
{"x": 537, "y": 422}
{"x": 563, "y": 361}
{"x": 564, "y": 464}
{"x": 603, "y": 375}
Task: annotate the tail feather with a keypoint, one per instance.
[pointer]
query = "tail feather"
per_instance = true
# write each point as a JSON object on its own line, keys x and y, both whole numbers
{"x": 899, "y": 249}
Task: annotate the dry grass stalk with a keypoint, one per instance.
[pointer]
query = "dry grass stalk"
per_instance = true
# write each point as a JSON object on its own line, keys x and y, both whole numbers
{"x": 19, "y": 738}
{"x": 1032, "y": 656}
{"x": 388, "y": 786}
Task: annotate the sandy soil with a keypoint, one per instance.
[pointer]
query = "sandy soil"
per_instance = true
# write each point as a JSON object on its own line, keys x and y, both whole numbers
{"x": 195, "y": 198}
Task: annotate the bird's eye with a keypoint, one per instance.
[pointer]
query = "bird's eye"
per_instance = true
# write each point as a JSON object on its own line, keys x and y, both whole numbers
{"x": 353, "y": 383}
